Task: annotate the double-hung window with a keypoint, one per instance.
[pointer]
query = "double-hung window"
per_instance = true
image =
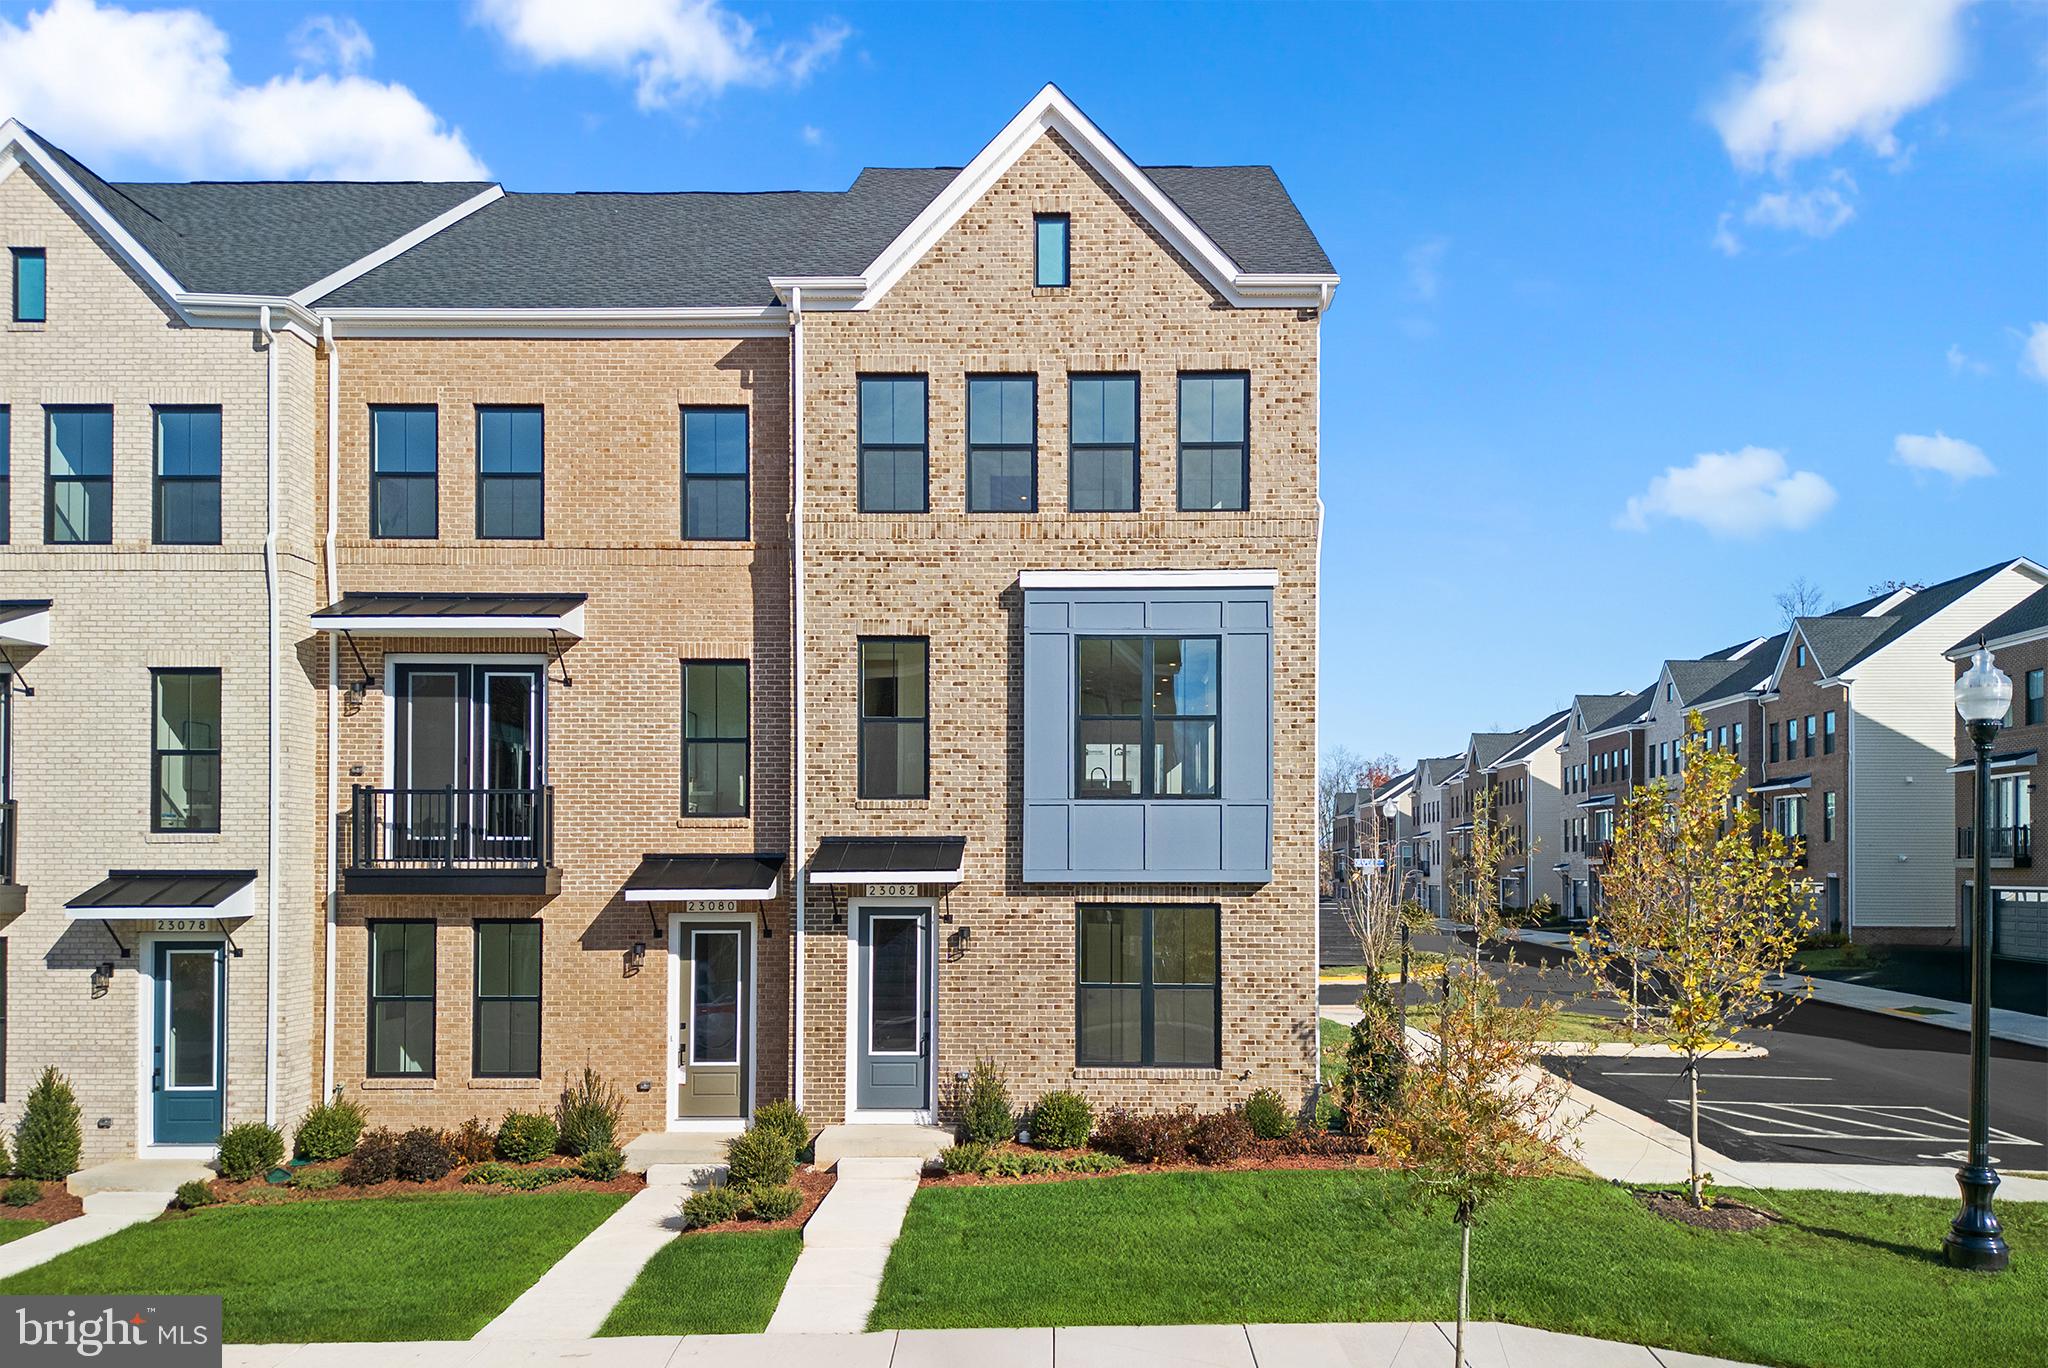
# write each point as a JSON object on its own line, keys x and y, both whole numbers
{"x": 1102, "y": 420}
{"x": 893, "y": 453}
{"x": 1147, "y": 717}
{"x": 1809, "y": 736}
{"x": 185, "y": 750}
{"x": 1215, "y": 416}
{"x": 78, "y": 504}
{"x": 510, "y": 461}
{"x": 1827, "y": 816}
{"x": 31, "y": 280}
{"x": 894, "y": 719}
{"x": 714, "y": 738}
{"x": 6, "y": 474}
{"x": 1147, "y": 987}
{"x": 405, "y": 458}
{"x": 187, "y": 501}
{"x": 2037, "y": 680}
{"x": 1051, "y": 234}
{"x": 401, "y": 999}
{"x": 1002, "y": 443}
{"x": 715, "y": 474}
{"x": 507, "y": 1008}
{"x": 1788, "y": 817}
{"x": 1827, "y": 740}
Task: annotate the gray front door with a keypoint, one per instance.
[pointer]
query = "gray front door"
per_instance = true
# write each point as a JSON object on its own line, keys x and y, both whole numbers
{"x": 711, "y": 1039}
{"x": 893, "y": 1052}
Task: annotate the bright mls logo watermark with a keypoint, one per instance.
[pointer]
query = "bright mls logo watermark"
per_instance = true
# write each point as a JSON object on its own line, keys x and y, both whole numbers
{"x": 165, "y": 1332}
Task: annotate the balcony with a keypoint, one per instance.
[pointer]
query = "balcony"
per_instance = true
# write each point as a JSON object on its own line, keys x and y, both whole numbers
{"x": 2012, "y": 844}
{"x": 13, "y": 897}
{"x": 451, "y": 840}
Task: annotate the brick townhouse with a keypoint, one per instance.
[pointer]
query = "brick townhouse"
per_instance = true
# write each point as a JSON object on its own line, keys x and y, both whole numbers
{"x": 875, "y": 633}
{"x": 1580, "y": 824}
{"x": 2018, "y": 640}
{"x": 1527, "y": 779}
{"x": 1613, "y": 764}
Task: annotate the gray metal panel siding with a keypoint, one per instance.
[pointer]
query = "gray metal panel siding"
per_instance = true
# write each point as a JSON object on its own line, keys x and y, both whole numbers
{"x": 1227, "y": 839}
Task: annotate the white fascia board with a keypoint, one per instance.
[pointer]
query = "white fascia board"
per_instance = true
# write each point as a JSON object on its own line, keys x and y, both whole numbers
{"x": 244, "y": 311}
{"x": 19, "y": 143}
{"x": 398, "y": 246}
{"x": 767, "y": 320}
{"x": 888, "y": 876}
{"x": 30, "y": 629}
{"x": 704, "y": 894}
{"x": 569, "y": 624}
{"x": 1148, "y": 579}
{"x": 1754, "y": 643}
{"x": 1968, "y": 649}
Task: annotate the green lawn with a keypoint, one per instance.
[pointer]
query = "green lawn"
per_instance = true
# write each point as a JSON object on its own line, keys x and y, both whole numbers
{"x": 717, "y": 1284}
{"x": 1846, "y": 1281}
{"x": 14, "y": 1230}
{"x": 403, "y": 1268}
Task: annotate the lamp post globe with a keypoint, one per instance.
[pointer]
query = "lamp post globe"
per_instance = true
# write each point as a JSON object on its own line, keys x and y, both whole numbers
{"x": 1975, "y": 1239}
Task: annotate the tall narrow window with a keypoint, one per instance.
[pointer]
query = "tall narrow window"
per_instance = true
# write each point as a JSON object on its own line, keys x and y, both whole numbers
{"x": 1102, "y": 424}
{"x": 714, "y": 738}
{"x": 6, "y": 475}
{"x": 715, "y": 474}
{"x": 188, "y": 476}
{"x": 894, "y": 718}
{"x": 31, "y": 280}
{"x": 892, "y": 444}
{"x": 185, "y": 750}
{"x": 78, "y": 504}
{"x": 507, "y": 1008}
{"x": 1002, "y": 443}
{"x": 1147, "y": 721}
{"x": 1809, "y": 736}
{"x": 1827, "y": 816}
{"x": 401, "y": 999}
{"x": 1214, "y": 419}
{"x": 1827, "y": 739}
{"x": 405, "y": 459}
{"x": 510, "y": 472}
{"x": 1147, "y": 987}
{"x": 1052, "y": 232}
{"x": 2037, "y": 680}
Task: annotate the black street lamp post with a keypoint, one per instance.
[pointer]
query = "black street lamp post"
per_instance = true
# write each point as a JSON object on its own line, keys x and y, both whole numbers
{"x": 1975, "y": 1239}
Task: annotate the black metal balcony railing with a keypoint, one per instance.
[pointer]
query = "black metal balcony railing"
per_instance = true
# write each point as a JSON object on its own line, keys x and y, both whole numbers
{"x": 2015, "y": 843}
{"x": 422, "y": 839}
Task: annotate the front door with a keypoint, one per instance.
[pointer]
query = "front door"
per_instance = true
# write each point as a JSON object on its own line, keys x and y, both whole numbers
{"x": 893, "y": 1050}
{"x": 712, "y": 1044}
{"x": 188, "y": 1038}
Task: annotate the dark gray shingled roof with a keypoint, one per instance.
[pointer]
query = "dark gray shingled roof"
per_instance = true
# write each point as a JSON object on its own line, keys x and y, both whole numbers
{"x": 1249, "y": 214}
{"x": 1746, "y": 675}
{"x": 1595, "y": 709}
{"x": 1840, "y": 640}
{"x": 1630, "y": 708}
{"x": 2030, "y": 614}
{"x": 1549, "y": 729}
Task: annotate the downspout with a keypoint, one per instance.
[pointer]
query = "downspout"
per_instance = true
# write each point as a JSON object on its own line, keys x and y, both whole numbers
{"x": 333, "y": 588}
{"x": 1849, "y": 818}
{"x": 796, "y": 656}
{"x": 270, "y": 609}
{"x": 1315, "y": 882}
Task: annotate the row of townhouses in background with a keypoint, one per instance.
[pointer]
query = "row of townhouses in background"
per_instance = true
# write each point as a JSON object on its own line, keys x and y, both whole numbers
{"x": 759, "y": 645}
{"x": 1850, "y": 744}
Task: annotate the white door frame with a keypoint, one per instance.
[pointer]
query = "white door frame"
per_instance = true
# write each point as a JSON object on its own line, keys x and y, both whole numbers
{"x": 143, "y": 956}
{"x": 855, "y": 906}
{"x": 672, "y": 1071}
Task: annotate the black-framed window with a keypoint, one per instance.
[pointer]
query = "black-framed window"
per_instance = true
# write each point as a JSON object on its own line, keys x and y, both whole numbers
{"x": 1772, "y": 733}
{"x": 1827, "y": 738}
{"x": 894, "y": 454}
{"x": 401, "y": 1041}
{"x": 1102, "y": 428}
{"x": 1051, "y": 234}
{"x": 2037, "y": 694}
{"x": 78, "y": 500}
{"x": 187, "y": 502}
{"x": 1827, "y": 816}
{"x": 31, "y": 285}
{"x": 715, "y": 474}
{"x": 6, "y": 475}
{"x": 1215, "y": 447}
{"x": 184, "y": 722}
{"x": 714, "y": 738}
{"x": 506, "y": 1040}
{"x": 511, "y": 464}
{"x": 1147, "y": 724}
{"x": 1002, "y": 443}
{"x": 405, "y": 461}
{"x": 1148, "y": 987}
{"x": 1810, "y": 731}
{"x": 895, "y": 717}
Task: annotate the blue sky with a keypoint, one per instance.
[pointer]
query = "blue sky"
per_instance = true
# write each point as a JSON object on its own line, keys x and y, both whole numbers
{"x": 1647, "y": 309}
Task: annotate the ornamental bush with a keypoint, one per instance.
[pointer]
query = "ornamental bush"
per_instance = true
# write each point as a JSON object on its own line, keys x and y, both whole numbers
{"x": 1220, "y": 1138}
{"x": 48, "y": 1141}
{"x": 513, "y": 1176}
{"x": 472, "y": 1144}
{"x": 316, "y": 1179}
{"x": 777, "y": 1203}
{"x": 985, "y": 1115}
{"x": 527, "y": 1137}
{"x": 22, "y": 1192}
{"x": 250, "y": 1150}
{"x": 196, "y": 1194}
{"x": 786, "y": 1120}
{"x": 601, "y": 1165}
{"x": 716, "y": 1205}
{"x": 965, "y": 1158}
{"x": 759, "y": 1158}
{"x": 1062, "y": 1120}
{"x": 422, "y": 1156}
{"x": 1269, "y": 1115}
{"x": 375, "y": 1160}
{"x": 1375, "y": 1060}
{"x": 589, "y": 1115}
{"x": 329, "y": 1130}
{"x": 1161, "y": 1139}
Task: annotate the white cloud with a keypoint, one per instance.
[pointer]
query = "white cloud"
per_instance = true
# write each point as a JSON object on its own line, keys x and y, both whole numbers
{"x": 675, "y": 51}
{"x": 326, "y": 40}
{"x": 1732, "y": 494}
{"x": 1725, "y": 241}
{"x": 1961, "y": 362}
{"x": 1945, "y": 455}
{"x": 812, "y": 135}
{"x": 2034, "y": 353}
{"x": 1816, "y": 213}
{"x": 1833, "y": 70}
{"x": 156, "y": 85}
{"x": 1423, "y": 262}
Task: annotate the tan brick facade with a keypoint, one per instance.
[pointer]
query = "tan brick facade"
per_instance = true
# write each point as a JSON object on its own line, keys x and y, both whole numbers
{"x": 1798, "y": 697}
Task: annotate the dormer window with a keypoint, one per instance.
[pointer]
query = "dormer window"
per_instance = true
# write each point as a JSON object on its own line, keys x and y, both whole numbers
{"x": 1052, "y": 232}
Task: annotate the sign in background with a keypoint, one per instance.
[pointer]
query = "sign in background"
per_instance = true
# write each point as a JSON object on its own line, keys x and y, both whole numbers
{"x": 123, "y": 1332}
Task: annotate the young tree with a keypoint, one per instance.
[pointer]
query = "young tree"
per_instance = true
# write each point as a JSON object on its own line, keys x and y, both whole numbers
{"x": 1622, "y": 934}
{"x": 1371, "y": 899}
{"x": 1338, "y": 772}
{"x": 1721, "y": 904}
{"x": 1477, "y": 870}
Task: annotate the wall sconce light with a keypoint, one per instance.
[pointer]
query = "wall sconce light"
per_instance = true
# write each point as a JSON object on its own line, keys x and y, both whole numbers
{"x": 102, "y": 978}
{"x": 636, "y": 958}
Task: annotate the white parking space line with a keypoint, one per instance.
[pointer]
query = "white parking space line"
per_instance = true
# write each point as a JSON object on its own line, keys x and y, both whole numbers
{"x": 1769, "y": 1078}
{"x": 1845, "y": 1121}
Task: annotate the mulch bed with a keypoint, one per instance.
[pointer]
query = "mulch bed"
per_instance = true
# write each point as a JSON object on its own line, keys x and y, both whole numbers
{"x": 56, "y": 1204}
{"x": 1314, "y": 1150}
{"x": 809, "y": 1181}
{"x": 257, "y": 1192}
{"x": 1722, "y": 1213}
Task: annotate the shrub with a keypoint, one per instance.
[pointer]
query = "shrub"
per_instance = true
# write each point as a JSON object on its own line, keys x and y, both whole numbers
{"x": 422, "y": 1157}
{"x": 249, "y": 1150}
{"x": 985, "y": 1115}
{"x": 1374, "y": 1061}
{"x": 1269, "y": 1115}
{"x": 48, "y": 1141}
{"x": 715, "y": 1205}
{"x": 1147, "y": 1139}
{"x": 1220, "y": 1138}
{"x": 1328, "y": 1115}
{"x": 316, "y": 1179}
{"x": 759, "y": 1158}
{"x": 472, "y": 1144}
{"x": 967, "y": 1158}
{"x": 1061, "y": 1120}
{"x": 601, "y": 1165}
{"x": 527, "y": 1137}
{"x": 329, "y": 1130}
{"x": 784, "y": 1119}
{"x": 196, "y": 1194}
{"x": 777, "y": 1203}
{"x": 375, "y": 1160}
{"x": 1089, "y": 1161}
{"x": 589, "y": 1115}
{"x": 6, "y": 1164}
{"x": 25, "y": 1192}
{"x": 512, "y": 1176}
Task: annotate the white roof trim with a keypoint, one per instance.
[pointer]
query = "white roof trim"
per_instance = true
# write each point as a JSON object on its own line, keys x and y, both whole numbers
{"x": 569, "y": 624}
{"x": 704, "y": 894}
{"x": 1965, "y": 651}
{"x": 362, "y": 266}
{"x": 767, "y": 320}
{"x": 1148, "y": 579}
{"x": 889, "y": 876}
{"x": 1051, "y": 111}
{"x": 1754, "y": 643}
{"x": 19, "y": 141}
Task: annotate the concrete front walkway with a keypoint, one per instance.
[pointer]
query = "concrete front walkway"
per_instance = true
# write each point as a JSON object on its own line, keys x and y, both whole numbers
{"x": 846, "y": 1246}
{"x": 105, "y": 1213}
{"x": 572, "y": 1299}
{"x": 1388, "y": 1344}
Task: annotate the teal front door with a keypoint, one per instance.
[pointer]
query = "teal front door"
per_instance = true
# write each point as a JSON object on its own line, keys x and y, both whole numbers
{"x": 189, "y": 982}
{"x": 893, "y": 1052}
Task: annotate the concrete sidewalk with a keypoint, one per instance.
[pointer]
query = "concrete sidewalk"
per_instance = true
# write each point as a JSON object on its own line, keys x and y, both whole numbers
{"x": 572, "y": 1299}
{"x": 105, "y": 1213}
{"x": 838, "y": 1275}
{"x": 1388, "y": 1344}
